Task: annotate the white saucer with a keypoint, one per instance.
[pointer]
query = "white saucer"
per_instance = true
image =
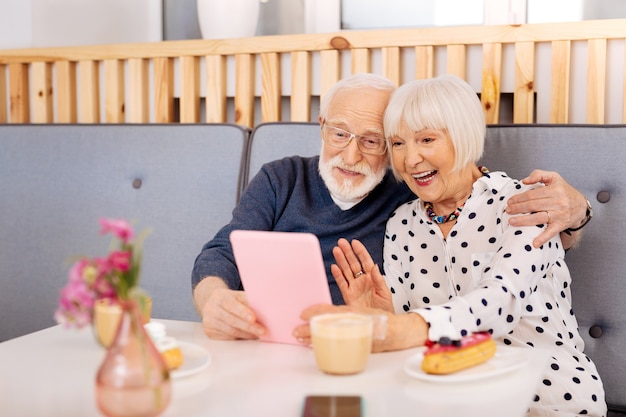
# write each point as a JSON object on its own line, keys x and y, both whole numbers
{"x": 195, "y": 359}
{"x": 506, "y": 359}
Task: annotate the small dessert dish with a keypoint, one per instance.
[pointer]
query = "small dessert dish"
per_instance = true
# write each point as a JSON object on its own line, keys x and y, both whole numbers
{"x": 168, "y": 346}
{"x": 447, "y": 356}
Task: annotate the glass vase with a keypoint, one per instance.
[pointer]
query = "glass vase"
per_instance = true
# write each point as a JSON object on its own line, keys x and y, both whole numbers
{"x": 133, "y": 380}
{"x": 107, "y": 314}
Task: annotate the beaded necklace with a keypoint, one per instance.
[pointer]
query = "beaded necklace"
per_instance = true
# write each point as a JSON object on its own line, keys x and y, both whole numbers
{"x": 452, "y": 216}
{"x": 442, "y": 219}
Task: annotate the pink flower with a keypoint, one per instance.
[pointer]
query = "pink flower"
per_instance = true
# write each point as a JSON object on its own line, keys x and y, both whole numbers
{"x": 115, "y": 276}
{"x": 119, "y": 227}
{"x": 76, "y": 302}
{"x": 119, "y": 260}
{"x": 76, "y": 271}
{"x": 103, "y": 267}
{"x": 104, "y": 288}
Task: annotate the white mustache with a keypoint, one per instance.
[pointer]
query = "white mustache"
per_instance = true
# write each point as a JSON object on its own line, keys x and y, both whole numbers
{"x": 360, "y": 168}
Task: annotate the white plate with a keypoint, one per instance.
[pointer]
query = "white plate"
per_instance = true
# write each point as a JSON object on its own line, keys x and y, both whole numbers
{"x": 506, "y": 359}
{"x": 195, "y": 359}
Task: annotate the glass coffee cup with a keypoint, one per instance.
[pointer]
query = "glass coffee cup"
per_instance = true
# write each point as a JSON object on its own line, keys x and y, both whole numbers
{"x": 342, "y": 342}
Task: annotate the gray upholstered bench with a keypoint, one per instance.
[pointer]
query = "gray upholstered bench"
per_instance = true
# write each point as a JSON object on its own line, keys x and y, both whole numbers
{"x": 56, "y": 181}
{"x": 590, "y": 158}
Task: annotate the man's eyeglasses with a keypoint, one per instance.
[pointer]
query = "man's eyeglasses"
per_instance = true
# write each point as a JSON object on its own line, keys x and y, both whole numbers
{"x": 339, "y": 138}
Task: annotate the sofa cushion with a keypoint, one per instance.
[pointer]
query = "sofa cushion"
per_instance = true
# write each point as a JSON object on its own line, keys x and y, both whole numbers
{"x": 271, "y": 141}
{"x": 56, "y": 181}
{"x": 590, "y": 158}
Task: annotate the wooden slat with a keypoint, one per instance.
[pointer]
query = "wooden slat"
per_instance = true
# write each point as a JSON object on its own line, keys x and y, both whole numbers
{"x": 300, "y": 87}
{"x": 424, "y": 62}
{"x": 114, "y": 93}
{"x": 360, "y": 60}
{"x": 190, "y": 91}
{"x": 270, "y": 88}
{"x": 67, "y": 98}
{"x": 391, "y": 64}
{"x": 596, "y": 80}
{"x": 244, "y": 90}
{"x": 138, "y": 108}
{"x": 492, "y": 76}
{"x": 410, "y": 37}
{"x": 523, "y": 94}
{"x": 4, "y": 98}
{"x": 19, "y": 93}
{"x": 89, "y": 90}
{"x": 163, "y": 90}
{"x": 43, "y": 106}
{"x": 559, "y": 91}
{"x": 215, "y": 101}
{"x": 457, "y": 60}
{"x": 360, "y": 46}
{"x": 330, "y": 63}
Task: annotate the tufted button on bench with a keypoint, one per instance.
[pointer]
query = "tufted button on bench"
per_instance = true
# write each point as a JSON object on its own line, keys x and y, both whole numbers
{"x": 595, "y": 331}
{"x": 603, "y": 196}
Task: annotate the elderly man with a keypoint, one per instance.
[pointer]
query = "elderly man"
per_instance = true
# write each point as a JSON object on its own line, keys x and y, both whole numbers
{"x": 345, "y": 192}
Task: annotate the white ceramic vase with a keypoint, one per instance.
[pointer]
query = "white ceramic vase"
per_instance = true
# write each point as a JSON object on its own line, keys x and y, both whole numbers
{"x": 223, "y": 19}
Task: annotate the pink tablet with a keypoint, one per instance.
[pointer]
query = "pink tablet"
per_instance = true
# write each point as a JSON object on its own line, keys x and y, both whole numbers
{"x": 282, "y": 274}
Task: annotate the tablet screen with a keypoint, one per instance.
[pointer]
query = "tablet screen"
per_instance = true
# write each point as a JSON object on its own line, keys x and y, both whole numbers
{"x": 282, "y": 274}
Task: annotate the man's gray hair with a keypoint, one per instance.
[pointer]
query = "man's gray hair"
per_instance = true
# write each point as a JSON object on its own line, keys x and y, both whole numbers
{"x": 355, "y": 82}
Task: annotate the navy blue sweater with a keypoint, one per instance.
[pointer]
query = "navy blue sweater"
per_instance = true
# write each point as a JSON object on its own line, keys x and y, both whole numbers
{"x": 289, "y": 195}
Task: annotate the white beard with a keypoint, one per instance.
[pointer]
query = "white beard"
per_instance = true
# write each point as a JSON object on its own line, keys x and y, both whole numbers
{"x": 346, "y": 190}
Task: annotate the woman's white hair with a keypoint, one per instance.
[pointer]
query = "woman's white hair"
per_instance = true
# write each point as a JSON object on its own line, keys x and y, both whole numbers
{"x": 355, "y": 82}
{"x": 445, "y": 103}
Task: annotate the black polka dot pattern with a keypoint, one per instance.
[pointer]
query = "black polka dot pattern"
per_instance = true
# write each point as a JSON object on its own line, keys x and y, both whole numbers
{"x": 486, "y": 276}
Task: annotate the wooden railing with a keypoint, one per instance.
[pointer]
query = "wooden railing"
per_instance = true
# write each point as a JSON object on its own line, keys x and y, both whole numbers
{"x": 533, "y": 73}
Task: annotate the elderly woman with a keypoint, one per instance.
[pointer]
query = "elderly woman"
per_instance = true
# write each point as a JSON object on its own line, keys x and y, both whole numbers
{"x": 453, "y": 261}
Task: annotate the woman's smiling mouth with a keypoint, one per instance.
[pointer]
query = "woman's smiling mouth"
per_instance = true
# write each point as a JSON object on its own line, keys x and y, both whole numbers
{"x": 424, "y": 177}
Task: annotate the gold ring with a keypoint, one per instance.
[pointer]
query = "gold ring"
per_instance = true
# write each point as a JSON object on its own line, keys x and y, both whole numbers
{"x": 358, "y": 274}
{"x": 548, "y": 213}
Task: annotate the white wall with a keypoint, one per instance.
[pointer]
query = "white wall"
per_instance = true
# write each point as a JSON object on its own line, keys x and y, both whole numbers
{"x": 43, "y": 23}
{"x": 546, "y": 11}
{"x": 370, "y": 14}
{"x": 15, "y": 24}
